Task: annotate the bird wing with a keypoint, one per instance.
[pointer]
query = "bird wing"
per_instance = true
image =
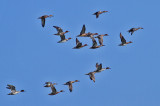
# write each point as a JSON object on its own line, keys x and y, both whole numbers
{"x": 122, "y": 39}
{"x": 78, "y": 43}
{"x": 100, "y": 39}
{"x": 11, "y": 87}
{"x": 62, "y": 37}
{"x": 53, "y": 89}
{"x": 83, "y": 30}
{"x": 43, "y": 21}
{"x": 92, "y": 76}
{"x": 94, "y": 42}
{"x": 99, "y": 67}
{"x": 59, "y": 30}
{"x": 70, "y": 87}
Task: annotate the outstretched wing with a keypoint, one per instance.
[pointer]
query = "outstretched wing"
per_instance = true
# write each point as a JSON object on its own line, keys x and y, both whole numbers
{"x": 83, "y": 30}
{"x": 122, "y": 39}
{"x": 92, "y": 76}
{"x": 11, "y": 87}
{"x": 59, "y": 30}
{"x": 70, "y": 87}
{"x": 94, "y": 42}
{"x": 53, "y": 89}
{"x": 62, "y": 37}
{"x": 100, "y": 39}
{"x": 78, "y": 43}
{"x": 43, "y": 21}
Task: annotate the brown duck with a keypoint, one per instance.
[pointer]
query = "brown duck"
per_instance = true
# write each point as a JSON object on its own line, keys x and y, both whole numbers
{"x": 132, "y": 30}
{"x": 69, "y": 83}
{"x": 98, "y": 13}
{"x": 43, "y": 19}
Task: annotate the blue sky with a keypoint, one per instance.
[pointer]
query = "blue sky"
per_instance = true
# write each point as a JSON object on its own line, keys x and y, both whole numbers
{"x": 30, "y": 54}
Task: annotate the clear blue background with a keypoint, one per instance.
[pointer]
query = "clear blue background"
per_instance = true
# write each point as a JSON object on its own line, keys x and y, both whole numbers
{"x": 30, "y": 54}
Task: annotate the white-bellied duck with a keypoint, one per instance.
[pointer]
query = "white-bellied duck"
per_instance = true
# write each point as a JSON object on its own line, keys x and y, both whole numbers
{"x": 13, "y": 90}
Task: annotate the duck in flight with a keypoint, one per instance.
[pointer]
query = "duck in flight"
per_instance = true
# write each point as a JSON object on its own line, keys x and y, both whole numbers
{"x": 99, "y": 68}
{"x": 59, "y": 31}
{"x": 123, "y": 41}
{"x": 13, "y": 90}
{"x": 69, "y": 83}
{"x": 79, "y": 44}
{"x": 54, "y": 91}
{"x": 132, "y": 30}
{"x": 43, "y": 18}
{"x": 98, "y": 13}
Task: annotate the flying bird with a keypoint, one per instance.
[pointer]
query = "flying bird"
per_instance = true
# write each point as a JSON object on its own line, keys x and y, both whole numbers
{"x": 54, "y": 91}
{"x": 99, "y": 68}
{"x": 59, "y": 31}
{"x": 63, "y": 39}
{"x": 132, "y": 30}
{"x": 123, "y": 41}
{"x": 43, "y": 19}
{"x": 98, "y": 13}
{"x": 79, "y": 44}
{"x": 69, "y": 83}
{"x": 100, "y": 39}
{"x": 13, "y": 90}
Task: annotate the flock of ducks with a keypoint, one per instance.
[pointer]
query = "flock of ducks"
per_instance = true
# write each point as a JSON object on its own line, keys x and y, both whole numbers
{"x": 79, "y": 45}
